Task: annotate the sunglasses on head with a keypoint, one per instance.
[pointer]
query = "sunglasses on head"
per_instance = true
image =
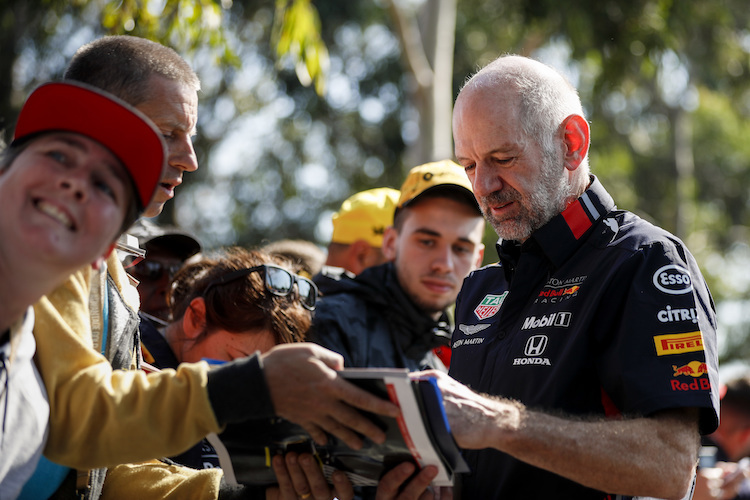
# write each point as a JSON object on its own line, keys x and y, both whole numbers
{"x": 278, "y": 281}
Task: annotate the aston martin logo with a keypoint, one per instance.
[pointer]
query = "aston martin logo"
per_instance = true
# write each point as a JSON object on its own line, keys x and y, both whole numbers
{"x": 472, "y": 329}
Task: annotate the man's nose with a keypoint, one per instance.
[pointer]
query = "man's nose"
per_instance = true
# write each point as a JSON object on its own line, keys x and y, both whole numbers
{"x": 182, "y": 154}
{"x": 486, "y": 180}
{"x": 443, "y": 259}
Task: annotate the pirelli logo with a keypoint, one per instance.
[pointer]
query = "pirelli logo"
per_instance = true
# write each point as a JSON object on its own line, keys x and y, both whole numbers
{"x": 678, "y": 343}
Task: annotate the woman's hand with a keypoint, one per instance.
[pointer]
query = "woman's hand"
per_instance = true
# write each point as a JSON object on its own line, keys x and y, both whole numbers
{"x": 301, "y": 478}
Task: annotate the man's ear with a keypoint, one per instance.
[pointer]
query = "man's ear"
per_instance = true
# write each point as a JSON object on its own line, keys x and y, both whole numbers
{"x": 390, "y": 238}
{"x": 358, "y": 257}
{"x": 480, "y": 256}
{"x": 576, "y": 137}
{"x": 194, "y": 320}
{"x": 97, "y": 264}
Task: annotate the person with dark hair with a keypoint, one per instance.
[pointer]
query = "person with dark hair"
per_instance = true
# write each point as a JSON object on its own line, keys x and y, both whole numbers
{"x": 728, "y": 447}
{"x": 166, "y": 250}
{"x": 394, "y": 314}
{"x": 248, "y": 300}
{"x": 228, "y": 306}
{"x": 733, "y": 434}
{"x": 100, "y": 416}
{"x": 584, "y": 363}
{"x": 70, "y": 183}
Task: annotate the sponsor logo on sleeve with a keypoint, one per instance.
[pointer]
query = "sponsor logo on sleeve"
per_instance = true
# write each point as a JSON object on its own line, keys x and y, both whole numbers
{"x": 694, "y": 369}
{"x": 490, "y": 305}
{"x": 673, "y": 280}
{"x": 678, "y": 343}
{"x": 669, "y": 315}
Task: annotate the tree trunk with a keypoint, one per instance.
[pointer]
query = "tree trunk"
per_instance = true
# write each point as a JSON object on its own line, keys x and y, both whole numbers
{"x": 428, "y": 55}
{"x": 685, "y": 168}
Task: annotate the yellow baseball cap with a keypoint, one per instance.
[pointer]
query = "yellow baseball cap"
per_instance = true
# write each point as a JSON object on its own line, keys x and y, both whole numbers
{"x": 443, "y": 174}
{"x": 364, "y": 216}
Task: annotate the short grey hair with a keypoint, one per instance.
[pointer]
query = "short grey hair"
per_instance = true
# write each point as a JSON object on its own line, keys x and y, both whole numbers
{"x": 546, "y": 97}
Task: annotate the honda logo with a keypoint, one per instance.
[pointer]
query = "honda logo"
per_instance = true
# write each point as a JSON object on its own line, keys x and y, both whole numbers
{"x": 536, "y": 345}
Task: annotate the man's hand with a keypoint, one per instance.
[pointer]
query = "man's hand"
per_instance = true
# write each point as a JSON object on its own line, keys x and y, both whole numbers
{"x": 305, "y": 389}
{"x": 650, "y": 456}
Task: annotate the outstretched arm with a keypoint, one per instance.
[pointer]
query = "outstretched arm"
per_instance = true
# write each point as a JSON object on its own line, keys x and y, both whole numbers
{"x": 306, "y": 390}
{"x": 646, "y": 456}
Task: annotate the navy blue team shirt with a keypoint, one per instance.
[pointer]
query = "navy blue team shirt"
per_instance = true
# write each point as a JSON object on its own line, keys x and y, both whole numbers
{"x": 598, "y": 313}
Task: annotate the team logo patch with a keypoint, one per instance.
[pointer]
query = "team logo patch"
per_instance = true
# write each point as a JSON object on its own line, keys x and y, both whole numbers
{"x": 490, "y": 305}
{"x": 560, "y": 319}
{"x": 673, "y": 280}
{"x": 535, "y": 347}
{"x": 678, "y": 343}
{"x": 669, "y": 315}
{"x": 692, "y": 369}
{"x": 472, "y": 329}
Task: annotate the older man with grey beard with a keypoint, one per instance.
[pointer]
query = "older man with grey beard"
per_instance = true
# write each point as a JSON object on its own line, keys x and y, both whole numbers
{"x": 567, "y": 380}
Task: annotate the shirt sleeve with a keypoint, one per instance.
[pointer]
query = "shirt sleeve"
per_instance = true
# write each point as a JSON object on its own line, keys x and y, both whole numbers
{"x": 101, "y": 417}
{"x": 160, "y": 481}
{"x": 663, "y": 354}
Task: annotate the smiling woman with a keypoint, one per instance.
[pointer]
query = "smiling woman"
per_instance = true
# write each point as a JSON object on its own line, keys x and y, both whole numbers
{"x": 68, "y": 181}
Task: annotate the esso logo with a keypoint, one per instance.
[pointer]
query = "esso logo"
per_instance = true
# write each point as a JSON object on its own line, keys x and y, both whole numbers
{"x": 673, "y": 280}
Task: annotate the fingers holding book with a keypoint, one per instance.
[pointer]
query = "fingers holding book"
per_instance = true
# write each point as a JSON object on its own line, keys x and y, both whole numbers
{"x": 306, "y": 389}
{"x": 301, "y": 477}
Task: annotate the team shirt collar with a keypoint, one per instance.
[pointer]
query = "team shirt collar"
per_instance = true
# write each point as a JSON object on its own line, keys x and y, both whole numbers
{"x": 563, "y": 234}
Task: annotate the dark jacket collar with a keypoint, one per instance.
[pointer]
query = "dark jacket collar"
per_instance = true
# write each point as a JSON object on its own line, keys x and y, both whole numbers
{"x": 414, "y": 330}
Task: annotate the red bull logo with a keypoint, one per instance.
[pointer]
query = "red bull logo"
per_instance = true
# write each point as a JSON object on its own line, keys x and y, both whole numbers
{"x": 693, "y": 369}
{"x": 677, "y": 343}
{"x": 559, "y": 292}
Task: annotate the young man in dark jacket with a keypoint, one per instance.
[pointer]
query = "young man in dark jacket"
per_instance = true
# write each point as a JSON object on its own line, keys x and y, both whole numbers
{"x": 394, "y": 314}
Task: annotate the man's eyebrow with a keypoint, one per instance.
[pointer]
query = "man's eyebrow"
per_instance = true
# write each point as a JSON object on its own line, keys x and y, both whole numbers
{"x": 427, "y": 231}
{"x": 504, "y": 149}
{"x": 464, "y": 239}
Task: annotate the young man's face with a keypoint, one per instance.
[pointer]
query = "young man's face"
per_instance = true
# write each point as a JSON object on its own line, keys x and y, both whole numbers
{"x": 173, "y": 107}
{"x": 64, "y": 200}
{"x": 439, "y": 243}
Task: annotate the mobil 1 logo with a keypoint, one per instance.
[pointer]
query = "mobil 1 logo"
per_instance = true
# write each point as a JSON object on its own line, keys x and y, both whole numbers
{"x": 559, "y": 319}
